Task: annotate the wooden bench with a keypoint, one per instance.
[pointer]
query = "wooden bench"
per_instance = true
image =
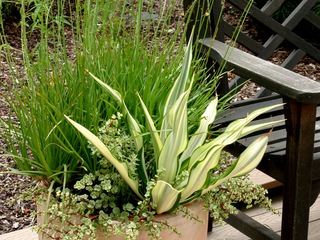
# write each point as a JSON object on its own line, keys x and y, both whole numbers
{"x": 293, "y": 154}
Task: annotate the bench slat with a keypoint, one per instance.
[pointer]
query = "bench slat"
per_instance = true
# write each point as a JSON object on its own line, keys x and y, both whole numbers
{"x": 276, "y": 78}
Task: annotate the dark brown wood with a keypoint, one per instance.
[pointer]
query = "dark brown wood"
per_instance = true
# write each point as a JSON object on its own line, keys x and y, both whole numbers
{"x": 271, "y": 6}
{"x": 251, "y": 228}
{"x": 314, "y": 19}
{"x": 293, "y": 153}
{"x": 298, "y": 164}
{"x": 276, "y": 78}
{"x": 282, "y": 31}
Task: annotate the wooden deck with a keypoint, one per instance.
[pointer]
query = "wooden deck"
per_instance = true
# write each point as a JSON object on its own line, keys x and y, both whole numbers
{"x": 268, "y": 219}
{"x": 227, "y": 232}
{"x": 272, "y": 221}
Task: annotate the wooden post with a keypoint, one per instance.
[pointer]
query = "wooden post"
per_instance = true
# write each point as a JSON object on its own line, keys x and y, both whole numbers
{"x": 298, "y": 167}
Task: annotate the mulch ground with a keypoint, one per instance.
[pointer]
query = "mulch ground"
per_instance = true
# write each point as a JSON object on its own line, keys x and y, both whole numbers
{"x": 17, "y": 216}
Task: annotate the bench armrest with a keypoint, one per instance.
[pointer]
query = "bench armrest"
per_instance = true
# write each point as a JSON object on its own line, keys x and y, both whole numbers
{"x": 273, "y": 77}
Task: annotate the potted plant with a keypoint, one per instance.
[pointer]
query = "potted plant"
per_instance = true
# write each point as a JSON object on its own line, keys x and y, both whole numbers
{"x": 162, "y": 171}
{"x": 132, "y": 175}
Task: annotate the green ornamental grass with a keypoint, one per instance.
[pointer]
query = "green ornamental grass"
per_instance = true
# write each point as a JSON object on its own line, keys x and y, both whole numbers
{"x": 113, "y": 41}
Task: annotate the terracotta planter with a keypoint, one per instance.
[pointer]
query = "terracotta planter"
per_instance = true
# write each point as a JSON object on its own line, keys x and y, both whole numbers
{"x": 190, "y": 229}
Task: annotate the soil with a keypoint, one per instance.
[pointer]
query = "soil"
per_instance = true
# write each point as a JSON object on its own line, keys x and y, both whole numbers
{"x": 17, "y": 216}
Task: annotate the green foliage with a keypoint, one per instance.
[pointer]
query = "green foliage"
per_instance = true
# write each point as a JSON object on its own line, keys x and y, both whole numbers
{"x": 57, "y": 83}
{"x": 178, "y": 160}
{"x": 106, "y": 189}
{"x": 127, "y": 219}
{"x": 316, "y": 8}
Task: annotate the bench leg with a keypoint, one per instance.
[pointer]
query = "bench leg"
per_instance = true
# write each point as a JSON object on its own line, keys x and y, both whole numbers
{"x": 298, "y": 178}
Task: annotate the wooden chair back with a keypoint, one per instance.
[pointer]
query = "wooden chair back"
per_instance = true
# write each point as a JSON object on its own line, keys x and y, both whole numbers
{"x": 293, "y": 154}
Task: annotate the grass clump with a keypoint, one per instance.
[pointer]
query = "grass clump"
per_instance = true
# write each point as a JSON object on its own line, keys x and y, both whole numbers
{"x": 132, "y": 47}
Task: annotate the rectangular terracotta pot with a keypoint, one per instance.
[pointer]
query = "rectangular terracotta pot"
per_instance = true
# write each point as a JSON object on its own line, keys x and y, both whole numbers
{"x": 189, "y": 228}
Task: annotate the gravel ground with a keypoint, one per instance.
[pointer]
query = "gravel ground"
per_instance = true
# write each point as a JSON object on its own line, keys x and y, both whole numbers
{"x": 18, "y": 216}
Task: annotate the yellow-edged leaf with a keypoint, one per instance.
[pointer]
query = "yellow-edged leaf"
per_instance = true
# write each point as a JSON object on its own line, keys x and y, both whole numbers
{"x": 133, "y": 125}
{"x": 252, "y": 156}
{"x": 165, "y": 196}
{"x": 176, "y": 141}
{"x": 134, "y": 129}
{"x": 257, "y": 127}
{"x": 155, "y": 138}
{"x": 121, "y": 168}
{"x": 244, "y": 121}
{"x": 115, "y": 94}
{"x": 198, "y": 172}
{"x": 200, "y": 135}
{"x": 247, "y": 161}
{"x": 177, "y": 89}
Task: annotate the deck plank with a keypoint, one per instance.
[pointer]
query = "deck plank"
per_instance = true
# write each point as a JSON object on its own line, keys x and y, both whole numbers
{"x": 23, "y": 234}
{"x": 268, "y": 219}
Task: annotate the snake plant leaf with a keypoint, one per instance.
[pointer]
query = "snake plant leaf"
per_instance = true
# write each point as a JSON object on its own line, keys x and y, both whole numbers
{"x": 223, "y": 139}
{"x": 165, "y": 197}
{"x": 251, "y": 157}
{"x": 238, "y": 128}
{"x": 244, "y": 121}
{"x": 200, "y": 135}
{"x": 257, "y": 127}
{"x": 176, "y": 141}
{"x": 155, "y": 138}
{"x": 232, "y": 133}
{"x": 121, "y": 167}
{"x": 206, "y": 157}
{"x": 133, "y": 125}
{"x": 115, "y": 94}
{"x": 247, "y": 161}
{"x": 134, "y": 129}
{"x": 200, "y": 170}
{"x": 176, "y": 91}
